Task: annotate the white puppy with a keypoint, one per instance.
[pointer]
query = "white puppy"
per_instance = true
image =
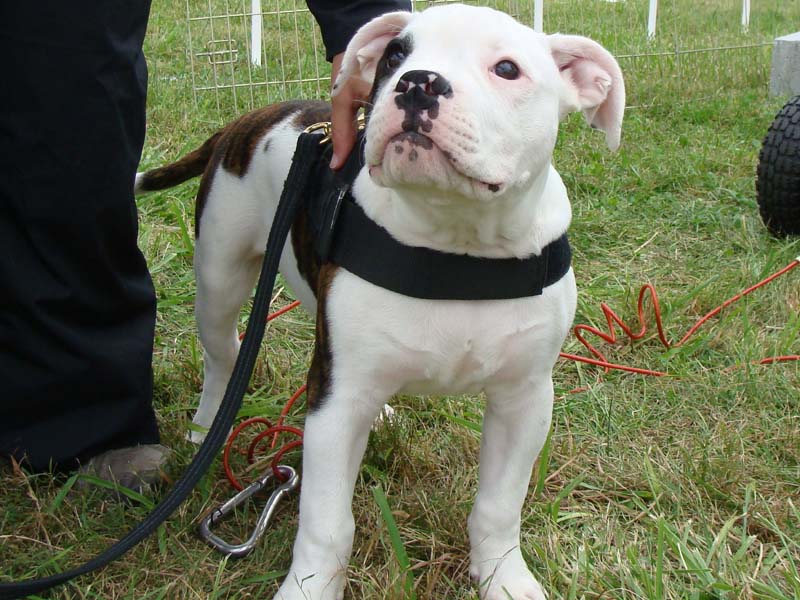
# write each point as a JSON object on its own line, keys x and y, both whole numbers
{"x": 465, "y": 111}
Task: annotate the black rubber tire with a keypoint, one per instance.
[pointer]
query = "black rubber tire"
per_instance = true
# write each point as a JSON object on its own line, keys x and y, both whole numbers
{"x": 778, "y": 174}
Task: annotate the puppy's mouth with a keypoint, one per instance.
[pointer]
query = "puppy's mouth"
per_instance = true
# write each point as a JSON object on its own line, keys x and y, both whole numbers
{"x": 413, "y": 157}
{"x": 411, "y": 138}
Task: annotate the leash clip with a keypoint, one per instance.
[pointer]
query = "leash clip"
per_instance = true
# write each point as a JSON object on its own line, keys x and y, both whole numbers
{"x": 323, "y": 127}
{"x": 291, "y": 482}
{"x": 326, "y": 128}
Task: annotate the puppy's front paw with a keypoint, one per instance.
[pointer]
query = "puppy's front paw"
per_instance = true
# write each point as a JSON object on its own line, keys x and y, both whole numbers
{"x": 197, "y": 433}
{"x": 311, "y": 587}
{"x": 506, "y": 578}
{"x": 196, "y": 437}
{"x": 387, "y": 415}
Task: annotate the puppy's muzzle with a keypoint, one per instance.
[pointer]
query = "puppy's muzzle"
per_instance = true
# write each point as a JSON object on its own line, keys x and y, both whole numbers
{"x": 419, "y": 91}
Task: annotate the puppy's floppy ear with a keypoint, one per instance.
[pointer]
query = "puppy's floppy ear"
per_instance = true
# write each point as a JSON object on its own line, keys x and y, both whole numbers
{"x": 366, "y": 48}
{"x": 594, "y": 83}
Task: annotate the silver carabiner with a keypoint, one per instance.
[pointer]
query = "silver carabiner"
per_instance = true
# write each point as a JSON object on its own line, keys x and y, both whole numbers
{"x": 290, "y": 484}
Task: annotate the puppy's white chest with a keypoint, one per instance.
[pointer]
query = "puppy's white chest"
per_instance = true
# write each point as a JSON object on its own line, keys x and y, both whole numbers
{"x": 449, "y": 356}
{"x": 445, "y": 347}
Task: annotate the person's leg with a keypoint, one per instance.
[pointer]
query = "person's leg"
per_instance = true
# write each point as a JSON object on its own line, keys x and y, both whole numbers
{"x": 77, "y": 306}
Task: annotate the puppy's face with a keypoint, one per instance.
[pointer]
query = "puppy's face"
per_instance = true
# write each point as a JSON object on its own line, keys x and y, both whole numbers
{"x": 464, "y": 99}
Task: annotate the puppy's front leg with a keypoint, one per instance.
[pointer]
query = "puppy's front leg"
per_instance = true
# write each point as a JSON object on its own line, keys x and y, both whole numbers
{"x": 334, "y": 441}
{"x": 515, "y": 427}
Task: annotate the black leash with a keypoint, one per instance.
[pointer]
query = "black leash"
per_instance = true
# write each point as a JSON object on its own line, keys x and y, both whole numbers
{"x": 291, "y": 199}
{"x": 422, "y": 272}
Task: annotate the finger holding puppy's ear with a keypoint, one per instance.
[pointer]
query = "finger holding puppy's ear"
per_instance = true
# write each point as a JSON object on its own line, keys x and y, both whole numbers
{"x": 348, "y": 93}
{"x": 353, "y": 74}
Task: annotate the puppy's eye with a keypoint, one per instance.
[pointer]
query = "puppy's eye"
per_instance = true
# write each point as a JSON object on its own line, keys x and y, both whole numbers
{"x": 506, "y": 69}
{"x": 395, "y": 58}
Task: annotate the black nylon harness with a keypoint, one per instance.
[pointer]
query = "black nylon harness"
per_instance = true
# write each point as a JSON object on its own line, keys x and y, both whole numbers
{"x": 346, "y": 236}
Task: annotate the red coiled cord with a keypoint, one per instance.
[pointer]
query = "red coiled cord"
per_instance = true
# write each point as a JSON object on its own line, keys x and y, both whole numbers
{"x": 271, "y": 430}
{"x": 611, "y": 336}
{"x": 277, "y": 314}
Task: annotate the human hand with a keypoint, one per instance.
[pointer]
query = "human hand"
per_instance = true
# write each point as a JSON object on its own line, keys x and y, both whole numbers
{"x": 346, "y": 97}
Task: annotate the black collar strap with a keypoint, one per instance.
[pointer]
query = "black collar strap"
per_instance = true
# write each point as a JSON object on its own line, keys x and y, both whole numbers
{"x": 369, "y": 251}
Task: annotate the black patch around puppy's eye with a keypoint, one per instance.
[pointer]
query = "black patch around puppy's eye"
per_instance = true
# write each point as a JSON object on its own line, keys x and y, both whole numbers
{"x": 506, "y": 70}
{"x": 395, "y": 58}
{"x": 394, "y": 55}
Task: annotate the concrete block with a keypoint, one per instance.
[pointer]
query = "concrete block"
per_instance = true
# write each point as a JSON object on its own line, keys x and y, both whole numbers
{"x": 785, "y": 75}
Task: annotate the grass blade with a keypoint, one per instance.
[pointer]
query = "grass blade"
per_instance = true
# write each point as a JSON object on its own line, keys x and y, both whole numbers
{"x": 396, "y": 541}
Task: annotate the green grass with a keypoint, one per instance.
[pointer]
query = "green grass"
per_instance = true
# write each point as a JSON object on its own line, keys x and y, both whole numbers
{"x": 682, "y": 487}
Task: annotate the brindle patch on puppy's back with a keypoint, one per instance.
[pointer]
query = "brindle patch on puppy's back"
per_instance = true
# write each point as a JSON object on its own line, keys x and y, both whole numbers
{"x": 238, "y": 141}
{"x": 242, "y": 136}
{"x": 312, "y": 113}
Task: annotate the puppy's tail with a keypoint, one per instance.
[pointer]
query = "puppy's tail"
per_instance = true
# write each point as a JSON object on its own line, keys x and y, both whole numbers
{"x": 183, "y": 169}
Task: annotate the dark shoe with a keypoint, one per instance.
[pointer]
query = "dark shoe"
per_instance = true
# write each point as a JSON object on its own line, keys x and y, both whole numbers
{"x": 138, "y": 468}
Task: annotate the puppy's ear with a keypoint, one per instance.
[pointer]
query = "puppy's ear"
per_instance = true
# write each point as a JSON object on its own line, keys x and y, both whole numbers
{"x": 594, "y": 83}
{"x": 366, "y": 48}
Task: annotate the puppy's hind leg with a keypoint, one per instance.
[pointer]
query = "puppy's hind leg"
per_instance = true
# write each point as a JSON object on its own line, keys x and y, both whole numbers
{"x": 225, "y": 280}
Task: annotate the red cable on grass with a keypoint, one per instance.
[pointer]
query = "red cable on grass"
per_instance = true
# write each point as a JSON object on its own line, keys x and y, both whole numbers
{"x": 277, "y": 314}
{"x": 608, "y": 365}
{"x": 226, "y": 452}
{"x": 283, "y": 310}
{"x": 612, "y": 317}
{"x": 287, "y": 407}
{"x": 273, "y": 430}
{"x": 251, "y": 450}
{"x": 774, "y": 359}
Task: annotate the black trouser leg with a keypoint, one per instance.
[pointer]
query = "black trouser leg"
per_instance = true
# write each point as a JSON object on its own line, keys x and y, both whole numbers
{"x": 77, "y": 306}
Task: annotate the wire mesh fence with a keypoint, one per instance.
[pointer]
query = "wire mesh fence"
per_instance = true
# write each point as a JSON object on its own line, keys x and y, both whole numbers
{"x": 248, "y": 53}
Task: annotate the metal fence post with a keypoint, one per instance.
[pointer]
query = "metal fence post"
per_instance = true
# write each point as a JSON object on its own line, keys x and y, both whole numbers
{"x": 256, "y": 22}
{"x": 745, "y": 14}
{"x": 538, "y": 16}
{"x": 651, "y": 19}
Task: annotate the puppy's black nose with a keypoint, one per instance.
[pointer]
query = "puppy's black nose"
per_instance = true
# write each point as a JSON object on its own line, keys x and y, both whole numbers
{"x": 421, "y": 89}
